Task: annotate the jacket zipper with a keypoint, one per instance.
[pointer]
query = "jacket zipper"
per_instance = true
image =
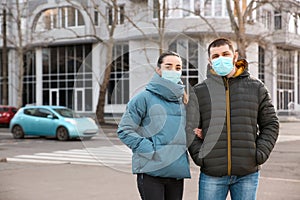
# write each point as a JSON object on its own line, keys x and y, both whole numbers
{"x": 226, "y": 81}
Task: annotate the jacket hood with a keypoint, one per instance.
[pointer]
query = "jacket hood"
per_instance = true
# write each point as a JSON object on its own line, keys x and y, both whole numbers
{"x": 165, "y": 88}
{"x": 241, "y": 65}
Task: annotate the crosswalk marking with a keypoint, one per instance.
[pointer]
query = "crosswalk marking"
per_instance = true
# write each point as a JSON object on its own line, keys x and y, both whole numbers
{"x": 103, "y": 156}
{"x": 107, "y": 156}
{"x": 287, "y": 138}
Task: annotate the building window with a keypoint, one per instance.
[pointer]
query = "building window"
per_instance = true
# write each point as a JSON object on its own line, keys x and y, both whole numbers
{"x": 208, "y": 8}
{"x": 297, "y": 24}
{"x": 188, "y": 50}
{"x": 294, "y": 23}
{"x": 218, "y": 8}
{"x": 96, "y": 18}
{"x": 58, "y": 18}
{"x": 121, "y": 14}
{"x": 285, "y": 78}
{"x": 29, "y": 80}
{"x": 110, "y": 12}
{"x": 71, "y": 18}
{"x": 266, "y": 18}
{"x": 118, "y": 87}
{"x": 214, "y": 8}
{"x": 67, "y": 77}
{"x": 156, "y": 8}
{"x": 261, "y": 63}
{"x": 277, "y": 20}
{"x": 177, "y": 8}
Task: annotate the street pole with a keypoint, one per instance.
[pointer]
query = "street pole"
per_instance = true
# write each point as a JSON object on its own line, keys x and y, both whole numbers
{"x": 4, "y": 60}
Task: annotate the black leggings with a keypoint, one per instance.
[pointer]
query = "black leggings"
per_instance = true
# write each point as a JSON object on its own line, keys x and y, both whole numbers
{"x": 158, "y": 188}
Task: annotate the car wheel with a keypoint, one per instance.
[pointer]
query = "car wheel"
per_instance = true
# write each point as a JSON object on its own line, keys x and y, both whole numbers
{"x": 62, "y": 134}
{"x": 18, "y": 132}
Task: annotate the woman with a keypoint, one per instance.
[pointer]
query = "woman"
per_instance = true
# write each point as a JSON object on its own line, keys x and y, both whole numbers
{"x": 153, "y": 127}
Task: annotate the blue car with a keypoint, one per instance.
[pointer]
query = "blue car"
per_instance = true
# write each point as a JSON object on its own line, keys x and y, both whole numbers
{"x": 52, "y": 121}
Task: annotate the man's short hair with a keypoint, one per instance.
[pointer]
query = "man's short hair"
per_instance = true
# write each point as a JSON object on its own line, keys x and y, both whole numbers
{"x": 220, "y": 42}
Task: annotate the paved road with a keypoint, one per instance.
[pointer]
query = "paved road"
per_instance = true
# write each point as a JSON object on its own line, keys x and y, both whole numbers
{"x": 280, "y": 176}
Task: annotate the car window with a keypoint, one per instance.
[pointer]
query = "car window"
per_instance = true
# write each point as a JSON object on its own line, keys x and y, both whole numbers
{"x": 14, "y": 110}
{"x": 65, "y": 112}
{"x": 29, "y": 111}
{"x": 42, "y": 112}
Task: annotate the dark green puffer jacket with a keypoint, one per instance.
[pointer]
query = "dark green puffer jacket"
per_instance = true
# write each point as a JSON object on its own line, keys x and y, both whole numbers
{"x": 238, "y": 120}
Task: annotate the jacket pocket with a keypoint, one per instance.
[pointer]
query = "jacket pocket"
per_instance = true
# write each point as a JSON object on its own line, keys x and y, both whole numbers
{"x": 261, "y": 157}
{"x": 138, "y": 162}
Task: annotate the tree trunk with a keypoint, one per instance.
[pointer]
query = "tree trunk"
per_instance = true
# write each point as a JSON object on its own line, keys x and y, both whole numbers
{"x": 241, "y": 33}
{"x": 20, "y": 54}
{"x": 21, "y": 77}
{"x": 4, "y": 62}
{"x": 103, "y": 86}
{"x": 102, "y": 94}
{"x": 237, "y": 21}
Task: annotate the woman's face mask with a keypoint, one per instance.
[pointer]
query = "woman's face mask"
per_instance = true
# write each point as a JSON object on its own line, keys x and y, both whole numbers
{"x": 171, "y": 75}
{"x": 222, "y": 65}
{"x": 171, "y": 68}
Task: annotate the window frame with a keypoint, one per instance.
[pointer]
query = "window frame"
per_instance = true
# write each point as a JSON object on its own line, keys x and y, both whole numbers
{"x": 57, "y": 18}
{"x": 120, "y": 15}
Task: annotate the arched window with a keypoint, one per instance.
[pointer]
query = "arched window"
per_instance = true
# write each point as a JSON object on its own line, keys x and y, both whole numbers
{"x": 62, "y": 17}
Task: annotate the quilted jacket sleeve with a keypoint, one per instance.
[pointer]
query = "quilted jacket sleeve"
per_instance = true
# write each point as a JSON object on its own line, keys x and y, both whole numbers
{"x": 268, "y": 126}
{"x": 129, "y": 125}
{"x": 192, "y": 121}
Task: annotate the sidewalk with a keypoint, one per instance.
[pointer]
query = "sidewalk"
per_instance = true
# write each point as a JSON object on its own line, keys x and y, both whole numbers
{"x": 280, "y": 176}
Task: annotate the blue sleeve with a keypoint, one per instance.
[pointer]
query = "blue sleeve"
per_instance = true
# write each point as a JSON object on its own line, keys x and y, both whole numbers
{"x": 130, "y": 124}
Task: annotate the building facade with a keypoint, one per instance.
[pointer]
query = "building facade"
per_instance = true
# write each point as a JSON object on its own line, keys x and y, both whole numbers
{"x": 64, "y": 44}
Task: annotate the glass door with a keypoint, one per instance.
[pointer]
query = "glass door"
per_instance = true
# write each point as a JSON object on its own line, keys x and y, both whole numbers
{"x": 54, "y": 97}
{"x": 79, "y": 100}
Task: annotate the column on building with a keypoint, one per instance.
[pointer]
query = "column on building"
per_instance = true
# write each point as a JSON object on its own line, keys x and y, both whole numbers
{"x": 39, "y": 76}
{"x": 143, "y": 58}
{"x": 13, "y": 78}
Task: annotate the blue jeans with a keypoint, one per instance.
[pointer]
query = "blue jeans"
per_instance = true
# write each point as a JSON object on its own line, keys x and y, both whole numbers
{"x": 217, "y": 188}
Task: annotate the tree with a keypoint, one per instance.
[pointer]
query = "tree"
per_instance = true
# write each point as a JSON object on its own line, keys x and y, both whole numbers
{"x": 109, "y": 43}
{"x": 238, "y": 23}
{"x": 17, "y": 41}
{"x": 111, "y": 22}
{"x": 241, "y": 14}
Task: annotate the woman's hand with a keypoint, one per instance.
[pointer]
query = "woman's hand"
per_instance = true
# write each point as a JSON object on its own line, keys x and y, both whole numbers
{"x": 198, "y": 132}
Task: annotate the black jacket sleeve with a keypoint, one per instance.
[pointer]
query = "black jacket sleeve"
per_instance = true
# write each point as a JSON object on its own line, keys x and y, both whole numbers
{"x": 268, "y": 125}
{"x": 193, "y": 121}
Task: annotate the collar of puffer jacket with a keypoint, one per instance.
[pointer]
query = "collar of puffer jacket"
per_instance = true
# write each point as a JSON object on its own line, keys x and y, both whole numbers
{"x": 166, "y": 89}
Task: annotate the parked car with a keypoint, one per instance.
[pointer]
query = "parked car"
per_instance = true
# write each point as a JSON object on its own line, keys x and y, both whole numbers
{"x": 54, "y": 121}
{"x": 6, "y": 114}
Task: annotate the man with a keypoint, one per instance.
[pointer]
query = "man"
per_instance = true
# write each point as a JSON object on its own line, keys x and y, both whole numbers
{"x": 239, "y": 126}
{"x": 153, "y": 127}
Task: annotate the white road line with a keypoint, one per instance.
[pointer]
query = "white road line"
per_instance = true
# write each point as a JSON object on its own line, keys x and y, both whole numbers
{"x": 108, "y": 156}
{"x": 82, "y": 155}
{"x": 281, "y": 179}
{"x": 287, "y": 138}
{"x": 70, "y": 159}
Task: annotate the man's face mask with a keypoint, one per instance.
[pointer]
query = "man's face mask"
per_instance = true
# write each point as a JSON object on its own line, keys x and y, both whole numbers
{"x": 222, "y": 65}
{"x": 171, "y": 75}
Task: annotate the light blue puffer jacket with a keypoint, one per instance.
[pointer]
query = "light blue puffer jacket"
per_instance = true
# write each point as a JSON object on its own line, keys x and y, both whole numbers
{"x": 153, "y": 127}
